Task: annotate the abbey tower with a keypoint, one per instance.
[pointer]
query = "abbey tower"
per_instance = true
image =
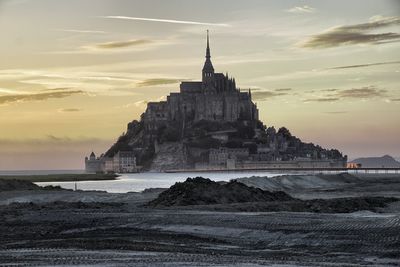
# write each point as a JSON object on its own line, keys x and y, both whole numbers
{"x": 214, "y": 98}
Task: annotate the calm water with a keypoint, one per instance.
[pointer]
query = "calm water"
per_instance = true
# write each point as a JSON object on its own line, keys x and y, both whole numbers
{"x": 140, "y": 181}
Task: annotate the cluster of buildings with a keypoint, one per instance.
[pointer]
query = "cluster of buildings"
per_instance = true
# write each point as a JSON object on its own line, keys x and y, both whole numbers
{"x": 227, "y": 157}
{"x": 240, "y": 158}
{"x": 121, "y": 162}
{"x": 268, "y": 148}
{"x": 267, "y": 157}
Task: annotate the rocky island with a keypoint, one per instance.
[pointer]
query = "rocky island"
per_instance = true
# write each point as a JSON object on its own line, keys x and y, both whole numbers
{"x": 209, "y": 125}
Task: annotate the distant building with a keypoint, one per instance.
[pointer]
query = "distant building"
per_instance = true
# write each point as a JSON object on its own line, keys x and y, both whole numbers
{"x": 93, "y": 164}
{"x": 122, "y": 162}
{"x": 108, "y": 165}
{"x": 125, "y": 161}
{"x": 297, "y": 163}
{"x": 227, "y": 156}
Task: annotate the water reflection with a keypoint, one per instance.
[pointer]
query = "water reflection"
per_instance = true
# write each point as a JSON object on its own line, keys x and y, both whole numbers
{"x": 140, "y": 181}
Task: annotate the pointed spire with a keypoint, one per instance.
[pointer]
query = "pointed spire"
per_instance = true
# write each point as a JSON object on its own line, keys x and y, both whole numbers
{"x": 208, "y": 67}
{"x": 208, "y": 54}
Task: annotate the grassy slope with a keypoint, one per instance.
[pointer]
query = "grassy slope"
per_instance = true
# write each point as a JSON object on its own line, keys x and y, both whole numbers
{"x": 61, "y": 177}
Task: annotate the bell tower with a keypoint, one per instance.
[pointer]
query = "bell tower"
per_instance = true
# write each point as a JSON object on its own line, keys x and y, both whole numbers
{"x": 208, "y": 69}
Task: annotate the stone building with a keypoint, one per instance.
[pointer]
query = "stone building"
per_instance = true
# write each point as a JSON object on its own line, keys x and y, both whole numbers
{"x": 296, "y": 163}
{"x": 215, "y": 98}
{"x": 124, "y": 161}
{"x": 225, "y": 156}
{"x": 121, "y": 162}
{"x": 108, "y": 165}
{"x": 93, "y": 164}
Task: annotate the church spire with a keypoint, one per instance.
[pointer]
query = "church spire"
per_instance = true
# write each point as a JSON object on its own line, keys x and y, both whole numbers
{"x": 208, "y": 54}
{"x": 208, "y": 69}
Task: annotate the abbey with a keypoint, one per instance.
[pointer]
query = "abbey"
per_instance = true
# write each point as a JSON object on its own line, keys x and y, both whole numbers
{"x": 210, "y": 124}
{"x": 214, "y": 98}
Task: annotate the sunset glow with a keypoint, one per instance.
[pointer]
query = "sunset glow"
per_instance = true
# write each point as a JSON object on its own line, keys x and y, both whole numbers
{"x": 74, "y": 73}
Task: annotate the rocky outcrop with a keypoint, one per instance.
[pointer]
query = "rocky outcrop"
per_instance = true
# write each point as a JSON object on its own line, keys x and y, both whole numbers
{"x": 168, "y": 156}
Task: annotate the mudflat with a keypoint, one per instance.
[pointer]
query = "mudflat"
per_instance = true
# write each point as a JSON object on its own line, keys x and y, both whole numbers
{"x": 59, "y": 227}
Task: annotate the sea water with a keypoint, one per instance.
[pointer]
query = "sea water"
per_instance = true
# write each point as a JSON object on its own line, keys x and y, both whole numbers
{"x": 136, "y": 182}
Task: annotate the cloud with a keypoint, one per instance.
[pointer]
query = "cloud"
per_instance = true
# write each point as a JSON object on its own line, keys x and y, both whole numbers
{"x": 54, "y": 138}
{"x": 364, "y": 92}
{"x": 159, "y": 81}
{"x": 365, "y": 65}
{"x": 117, "y": 46}
{"x": 140, "y": 103}
{"x": 358, "y": 93}
{"x": 167, "y": 21}
{"x": 120, "y": 44}
{"x": 81, "y": 31}
{"x": 283, "y": 89}
{"x": 355, "y": 34}
{"x": 324, "y": 99}
{"x": 7, "y": 91}
{"x": 95, "y": 80}
{"x": 264, "y": 95}
{"x": 144, "y": 103}
{"x": 6, "y": 99}
{"x": 56, "y": 89}
{"x": 63, "y": 110}
{"x": 301, "y": 9}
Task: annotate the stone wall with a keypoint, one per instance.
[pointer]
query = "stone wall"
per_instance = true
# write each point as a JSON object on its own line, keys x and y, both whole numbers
{"x": 194, "y": 103}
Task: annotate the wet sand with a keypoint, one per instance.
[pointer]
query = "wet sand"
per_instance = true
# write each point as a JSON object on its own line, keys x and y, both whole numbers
{"x": 102, "y": 229}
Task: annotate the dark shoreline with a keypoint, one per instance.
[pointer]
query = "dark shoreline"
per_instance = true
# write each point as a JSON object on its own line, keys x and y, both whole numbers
{"x": 61, "y": 177}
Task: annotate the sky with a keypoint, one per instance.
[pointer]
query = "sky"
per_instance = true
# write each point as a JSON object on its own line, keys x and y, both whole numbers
{"x": 74, "y": 73}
